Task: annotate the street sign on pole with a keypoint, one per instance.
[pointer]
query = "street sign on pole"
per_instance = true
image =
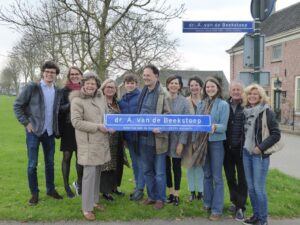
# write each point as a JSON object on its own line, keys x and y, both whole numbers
{"x": 248, "y": 55}
{"x": 217, "y": 26}
{"x": 262, "y": 9}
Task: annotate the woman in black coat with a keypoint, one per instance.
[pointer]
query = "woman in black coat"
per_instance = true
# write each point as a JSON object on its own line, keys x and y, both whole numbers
{"x": 67, "y": 132}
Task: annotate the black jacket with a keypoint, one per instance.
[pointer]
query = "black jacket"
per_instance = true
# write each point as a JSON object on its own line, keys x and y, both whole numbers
{"x": 235, "y": 128}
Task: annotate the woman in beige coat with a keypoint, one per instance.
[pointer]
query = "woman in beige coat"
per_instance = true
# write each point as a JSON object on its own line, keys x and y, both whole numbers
{"x": 87, "y": 116}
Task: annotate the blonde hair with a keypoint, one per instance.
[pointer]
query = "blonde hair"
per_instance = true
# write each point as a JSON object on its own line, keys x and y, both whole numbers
{"x": 107, "y": 81}
{"x": 264, "y": 99}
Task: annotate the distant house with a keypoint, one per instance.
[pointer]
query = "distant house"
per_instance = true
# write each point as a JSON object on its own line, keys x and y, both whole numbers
{"x": 281, "y": 60}
{"x": 186, "y": 75}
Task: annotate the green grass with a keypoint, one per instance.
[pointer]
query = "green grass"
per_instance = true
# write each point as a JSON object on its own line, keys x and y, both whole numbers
{"x": 283, "y": 191}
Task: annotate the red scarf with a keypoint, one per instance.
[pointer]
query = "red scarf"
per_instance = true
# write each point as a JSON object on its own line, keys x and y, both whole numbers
{"x": 73, "y": 86}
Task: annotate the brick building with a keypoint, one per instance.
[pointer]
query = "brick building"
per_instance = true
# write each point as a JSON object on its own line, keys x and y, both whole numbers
{"x": 281, "y": 60}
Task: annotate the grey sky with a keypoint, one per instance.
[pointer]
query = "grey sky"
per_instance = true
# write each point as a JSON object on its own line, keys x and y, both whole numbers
{"x": 200, "y": 51}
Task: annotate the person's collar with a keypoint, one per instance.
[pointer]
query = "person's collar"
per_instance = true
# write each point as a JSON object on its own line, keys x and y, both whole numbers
{"x": 44, "y": 84}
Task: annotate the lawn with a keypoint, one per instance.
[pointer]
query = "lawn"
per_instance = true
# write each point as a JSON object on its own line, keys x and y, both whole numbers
{"x": 283, "y": 191}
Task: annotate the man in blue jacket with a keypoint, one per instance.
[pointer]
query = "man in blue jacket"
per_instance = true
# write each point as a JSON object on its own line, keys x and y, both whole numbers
{"x": 36, "y": 108}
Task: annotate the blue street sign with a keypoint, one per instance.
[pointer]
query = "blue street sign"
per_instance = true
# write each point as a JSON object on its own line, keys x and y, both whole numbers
{"x": 147, "y": 122}
{"x": 217, "y": 26}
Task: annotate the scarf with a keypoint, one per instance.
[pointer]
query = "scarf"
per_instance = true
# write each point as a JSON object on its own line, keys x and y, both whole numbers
{"x": 251, "y": 114}
{"x": 200, "y": 145}
{"x": 73, "y": 86}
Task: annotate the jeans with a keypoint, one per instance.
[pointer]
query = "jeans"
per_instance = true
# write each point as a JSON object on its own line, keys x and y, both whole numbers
{"x": 256, "y": 170}
{"x": 234, "y": 171}
{"x": 213, "y": 180}
{"x": 137, "y": 167}
{"x": 48, "y": 143}
{"x": 154, "y": 168}
{"x": 195, "y": 178}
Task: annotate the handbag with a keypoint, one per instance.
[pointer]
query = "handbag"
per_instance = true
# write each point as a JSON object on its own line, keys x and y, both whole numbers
{"x": 266, "y": 133}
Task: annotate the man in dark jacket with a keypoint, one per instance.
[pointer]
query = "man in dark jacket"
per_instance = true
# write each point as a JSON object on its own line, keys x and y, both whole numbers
{"x": 37, "y": 109}
{"x": 233, "y": 160}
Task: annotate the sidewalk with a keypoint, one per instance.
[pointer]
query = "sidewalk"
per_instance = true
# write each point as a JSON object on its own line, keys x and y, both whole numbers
{"x": 194, "y": 221}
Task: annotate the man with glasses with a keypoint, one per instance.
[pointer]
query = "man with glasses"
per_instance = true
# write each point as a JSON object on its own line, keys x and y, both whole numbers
{"x": 37, "y": 109}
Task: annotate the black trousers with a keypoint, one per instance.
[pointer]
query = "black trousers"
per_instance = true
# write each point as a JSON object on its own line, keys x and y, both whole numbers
{"x": 176, "y": 166}
{"x": 234, "y": 171}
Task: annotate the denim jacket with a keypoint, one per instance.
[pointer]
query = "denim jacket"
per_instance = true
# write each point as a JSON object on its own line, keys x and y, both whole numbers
{"x": 219, "y": 116}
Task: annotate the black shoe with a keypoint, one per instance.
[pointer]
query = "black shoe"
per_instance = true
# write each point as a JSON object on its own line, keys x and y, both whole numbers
{"x": 120, "y": 193}
{"x": 192, "y": 196}
{"x": 252, "y": 220}
{"x": 138, "y": 195}
{"x": 199, "y": 196}
{"x": 170, "y": 199}
{"x": 54, "y": 195}
{"x": 108, "y": 197}
{"x": 34, "y": 199}
{"x": 176, "y": 201}
{"x": 69, "y": 192}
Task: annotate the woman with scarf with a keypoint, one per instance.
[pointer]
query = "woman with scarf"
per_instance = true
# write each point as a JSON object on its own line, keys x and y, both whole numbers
{"x": 112, "y": 171}
{"x": 209, "y": 148}
{"x": 195, "y": 174}
{"x": 67, "y": 132}
{"x": 256, "y": 162}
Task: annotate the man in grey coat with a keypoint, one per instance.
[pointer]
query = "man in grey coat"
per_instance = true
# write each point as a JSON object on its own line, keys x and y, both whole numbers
{"x": 36, "y": 108}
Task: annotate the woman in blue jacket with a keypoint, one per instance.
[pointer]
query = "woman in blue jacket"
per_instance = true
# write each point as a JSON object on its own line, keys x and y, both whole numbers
{"x": 210, "y": 149}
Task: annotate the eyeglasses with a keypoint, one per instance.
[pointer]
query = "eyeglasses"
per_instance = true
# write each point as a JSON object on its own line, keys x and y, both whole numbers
{"x": 50, "y": 71}
{"x": 75, "y": 74}
{"x": 110, "y": 87}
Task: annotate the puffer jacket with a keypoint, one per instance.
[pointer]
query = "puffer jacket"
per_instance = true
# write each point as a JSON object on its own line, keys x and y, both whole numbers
{"x": 87, "y": 113}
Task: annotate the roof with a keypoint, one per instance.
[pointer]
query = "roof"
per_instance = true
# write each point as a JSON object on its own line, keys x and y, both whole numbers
{"x": 279, "y": 22}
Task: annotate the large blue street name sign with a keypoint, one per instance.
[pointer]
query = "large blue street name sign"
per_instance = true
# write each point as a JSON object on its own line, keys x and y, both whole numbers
{"x": 217, "y": 26}
{"x": 147, "y": 122}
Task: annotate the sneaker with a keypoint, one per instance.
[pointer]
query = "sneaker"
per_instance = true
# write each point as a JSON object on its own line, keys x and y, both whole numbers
{"x": 117, "y": 192}
{"x": 34, "y": 200}
{"x": 239, "y": 215}
{"x": 69, "y": 192}
{"x": 252, "y": 220}
{"x": 176, "y": 201}
{"x": 170, "y": 199}
{"x": 76, "y": 187}
{"x": 137, "y": 195}
{"x": 232, "y": 208}
{"x": 54, "y": 195}
{"x": 214, "y": 217}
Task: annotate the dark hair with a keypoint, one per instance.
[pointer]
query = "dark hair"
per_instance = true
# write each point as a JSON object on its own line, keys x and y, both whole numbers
{"x": 197, "y": 79}
{"x": 216, "y": 82}
{"x": 174, "y": 77}
{"x": 88, "y": 76}
{"x": 154, "y": 69}
{"x": 130, "y": 78}
{"x": 73, "y": 68}
{"x": 50, "y": 65}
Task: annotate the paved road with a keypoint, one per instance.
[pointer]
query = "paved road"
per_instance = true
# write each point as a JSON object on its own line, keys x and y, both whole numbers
{"x": 288, "y": 160}
{"x": 196, "y": 221}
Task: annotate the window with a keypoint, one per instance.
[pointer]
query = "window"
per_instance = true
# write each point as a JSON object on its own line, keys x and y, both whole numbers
{"x": 276, "y": 52}
{"x": 297, "y": 95}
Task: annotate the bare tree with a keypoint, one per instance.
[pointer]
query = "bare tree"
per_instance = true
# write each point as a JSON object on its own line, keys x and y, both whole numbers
{"x": 141, "y": 41}
{"x": 82, "y": 30}
{"x": 10, "y": 75}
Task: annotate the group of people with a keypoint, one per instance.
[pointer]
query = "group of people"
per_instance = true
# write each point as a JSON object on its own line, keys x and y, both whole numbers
{"x": 76, "y": 112}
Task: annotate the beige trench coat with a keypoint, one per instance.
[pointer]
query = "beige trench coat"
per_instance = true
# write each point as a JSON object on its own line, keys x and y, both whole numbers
{"x": 86, "y": 114}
